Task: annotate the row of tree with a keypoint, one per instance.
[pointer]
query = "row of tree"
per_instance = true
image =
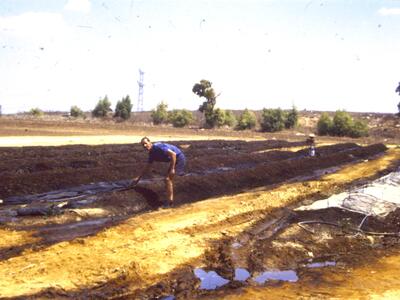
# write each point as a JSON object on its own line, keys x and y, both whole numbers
{"x": 272, "y": 120}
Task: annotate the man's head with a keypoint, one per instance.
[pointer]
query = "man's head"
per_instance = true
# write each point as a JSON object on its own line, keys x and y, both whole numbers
{"x": 145, "y": 142}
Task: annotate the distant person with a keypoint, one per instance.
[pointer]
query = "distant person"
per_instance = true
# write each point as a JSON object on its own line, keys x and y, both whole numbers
{"x": 311, "y": 144}
{"x": 163, "y": 152}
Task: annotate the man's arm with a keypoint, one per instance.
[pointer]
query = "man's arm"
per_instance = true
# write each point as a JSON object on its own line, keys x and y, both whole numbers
{"x": 172, "y": 155}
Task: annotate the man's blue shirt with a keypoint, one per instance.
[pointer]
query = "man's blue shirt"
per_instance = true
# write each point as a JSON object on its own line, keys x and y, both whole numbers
{"x": 159, "y": 152}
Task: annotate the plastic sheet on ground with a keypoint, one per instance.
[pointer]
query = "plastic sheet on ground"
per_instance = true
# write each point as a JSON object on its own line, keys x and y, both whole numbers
{"x": 378, "y": 198}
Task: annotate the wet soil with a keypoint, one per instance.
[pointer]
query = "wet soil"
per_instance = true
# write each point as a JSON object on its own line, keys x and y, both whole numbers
{"x": 72, "y": 229}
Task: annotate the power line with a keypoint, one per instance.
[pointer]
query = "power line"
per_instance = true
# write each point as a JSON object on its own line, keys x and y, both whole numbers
{"x": 140, "y": 96}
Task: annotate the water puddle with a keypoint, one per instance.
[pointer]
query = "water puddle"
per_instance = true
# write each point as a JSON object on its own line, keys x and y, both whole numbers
{"x": 209, "y": 280}
{"x": 321, "y": 264}
{"x": 241, "y": 274}
{"x": 288, "y": 275}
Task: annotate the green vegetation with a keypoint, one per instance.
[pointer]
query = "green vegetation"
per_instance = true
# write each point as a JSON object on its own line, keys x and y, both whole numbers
{"x": 341, "y": 125}
{"x": 160, "y": 114}
{"x": 102, "y": 108}
{"x": 247, "y": 120}
{"x": 180, "y": 117}
{"x": 123, "y": 108}
{"x": 272, "y": 120}
{"x": 36, "y": 112}
{"x": 230, "y": 119}
{"x": 221, "y": 117}
{"x": 324, "y": 125}
{"x": 76, "y": 112}
{"x": 291, "y": 118}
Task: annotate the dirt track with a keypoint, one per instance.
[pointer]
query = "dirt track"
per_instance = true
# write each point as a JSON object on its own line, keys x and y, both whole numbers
{"x": 114, "y": 244}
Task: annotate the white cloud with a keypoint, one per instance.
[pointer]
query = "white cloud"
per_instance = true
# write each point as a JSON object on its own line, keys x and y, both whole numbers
{"x": 78, "y": 5}
{"x": 389, "y": 11}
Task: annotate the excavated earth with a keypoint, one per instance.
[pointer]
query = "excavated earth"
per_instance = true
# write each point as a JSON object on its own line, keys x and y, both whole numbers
{"x": 72, "y": 229}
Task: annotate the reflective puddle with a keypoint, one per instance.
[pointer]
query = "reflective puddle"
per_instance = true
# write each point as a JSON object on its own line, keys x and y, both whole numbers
{"x": 288, "y": 275}
{"x": 209, "y": 280}
{"x": 321, "y": 264}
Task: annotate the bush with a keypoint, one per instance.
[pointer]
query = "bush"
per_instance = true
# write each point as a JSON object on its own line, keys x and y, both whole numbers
{"x": 218, "y": 118}
{"x": 342, "y": 123}
{"x": 76, "y": 112}
{"x": 223, "y": 118}
{"x": 36, "y": 112}
{"x": 102, "y": 108}
{"x": 230, "y": 119}
{"x": 123, "y": 108}
{"x": 160, "y": 114}
{"x": 247, "y": 120}
{"x": 180, "y": 118}
{"x": 324, "y": 125}
{"x": 272, "y": 120}
{"x": 359, "y": 129}
{"x": 292, "y": 118}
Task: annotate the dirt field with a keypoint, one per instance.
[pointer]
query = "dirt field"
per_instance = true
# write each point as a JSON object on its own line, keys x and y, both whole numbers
{"x": 70, "y": 229}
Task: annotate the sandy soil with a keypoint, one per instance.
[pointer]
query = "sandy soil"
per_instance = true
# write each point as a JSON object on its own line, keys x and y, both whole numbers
{"x": 115, "y": 243}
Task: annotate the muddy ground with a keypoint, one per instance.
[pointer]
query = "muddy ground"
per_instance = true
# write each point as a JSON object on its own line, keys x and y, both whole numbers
{"x": 71, "y": 229}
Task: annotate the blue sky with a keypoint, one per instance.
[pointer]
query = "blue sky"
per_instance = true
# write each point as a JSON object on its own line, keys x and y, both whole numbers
{"x": 316, "y": 55}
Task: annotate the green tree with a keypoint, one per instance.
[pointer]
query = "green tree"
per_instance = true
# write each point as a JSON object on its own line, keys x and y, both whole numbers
{"x": 180, "y": 117}
{"x": 204, "y": 89}
{"x": 359, "y": 129}
{"x": 272, "y": 120}
{"x": 36, "y": 112}
{"x": 247, "y": 120}
{"x": 324, "y": 125}
{"x": 342, "y": 123}
{"x": 102, "y": 108}
{"x": 123, "y": 108}
{"x": 292, "y": 118}
{"x": 160, "y": 114}
{"x": 76, "y": 112}
{"x": 230, "y": 119}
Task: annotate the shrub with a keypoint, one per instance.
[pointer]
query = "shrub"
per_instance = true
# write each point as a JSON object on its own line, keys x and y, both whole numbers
{"x": 324, "y": 125}
{"x": 218, "y": 118}
{"x": 342, "y": 123}
{"x": 180, "y": 118}
{"x": 160, "y": 114}
{"x": 359, "y": 129}
{"x": 230, "y": 119}
{"x": 223, "y": 118}
{"x": 292, "y": 118}
{"x": 272, "y": 120}
{"x": 247, "y": 120}
{"x": 76, "y": 112}
{"x": 123, "y": 108}
{"x": 36, "y": 112}
{"x": 102, "y": 108}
